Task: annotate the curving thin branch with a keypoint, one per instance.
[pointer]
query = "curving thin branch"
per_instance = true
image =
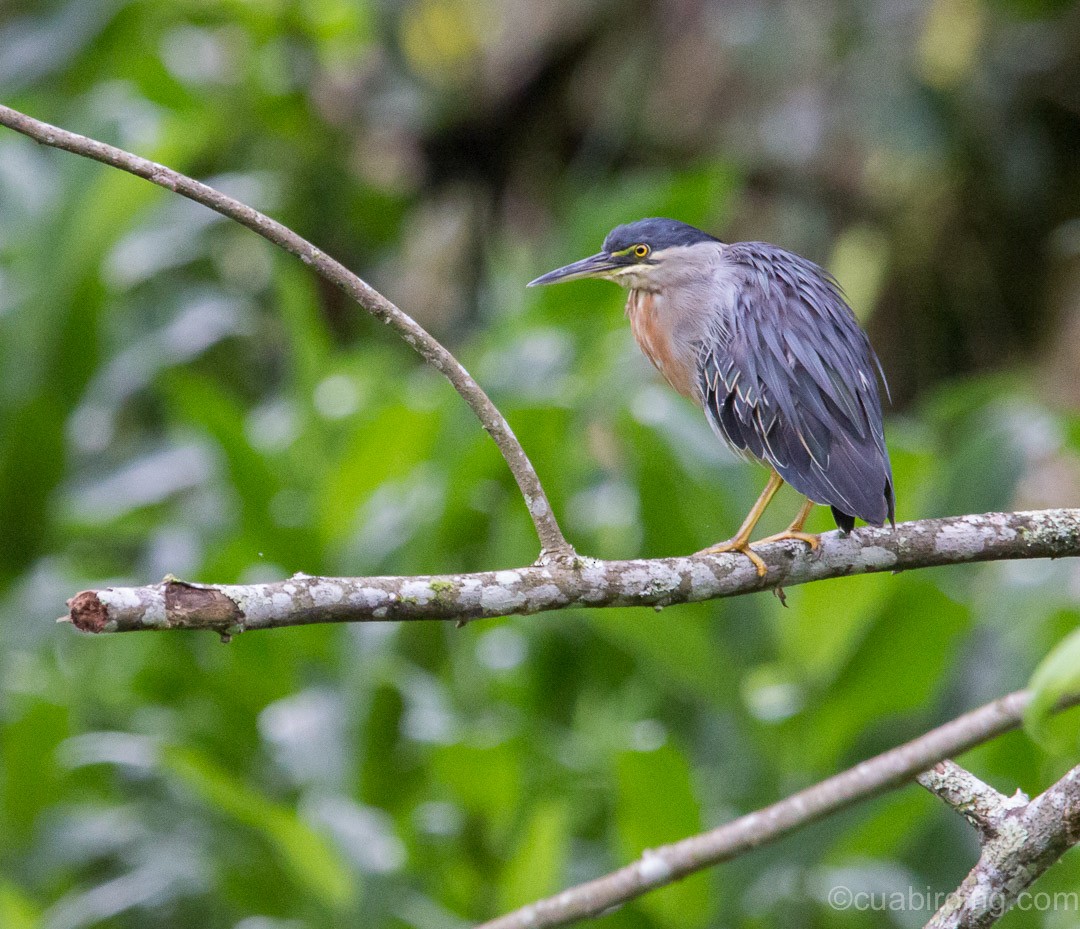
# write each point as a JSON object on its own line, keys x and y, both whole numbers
{"x": 660, "y": 866}
{"x": 580, "y": 582}
{"x": 552, "y": 540}
{"x": 1020, "y": 840}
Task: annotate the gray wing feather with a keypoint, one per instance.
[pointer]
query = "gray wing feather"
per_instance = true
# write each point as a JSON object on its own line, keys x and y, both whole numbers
{"x": 788, "y": 377}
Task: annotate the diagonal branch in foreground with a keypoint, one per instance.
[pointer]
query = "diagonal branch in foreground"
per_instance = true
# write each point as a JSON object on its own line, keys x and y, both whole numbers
{"x": 581, "y": 582}
{"x": 1020, "y": 840}
{"x": 661, "y": 866}
{"x": 552, "y": 540}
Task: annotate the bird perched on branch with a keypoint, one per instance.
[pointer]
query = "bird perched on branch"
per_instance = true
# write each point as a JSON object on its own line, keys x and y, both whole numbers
{"x": 766, "y": 344}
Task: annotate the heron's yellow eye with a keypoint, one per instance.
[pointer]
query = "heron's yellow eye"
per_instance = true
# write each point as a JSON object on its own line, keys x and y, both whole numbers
{"x": 641, "y": 251}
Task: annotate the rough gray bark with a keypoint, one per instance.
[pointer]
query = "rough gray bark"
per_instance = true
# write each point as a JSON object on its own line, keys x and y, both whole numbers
{"x": 1020, "y": 840}
{"x": 660, "y": 866}
{"x": 976, "y": 801}
{"x": 232, "y": 608}
{"x": 552, "y": 541}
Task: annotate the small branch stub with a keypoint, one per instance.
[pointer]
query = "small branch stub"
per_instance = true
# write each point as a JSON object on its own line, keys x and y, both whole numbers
{"x": 87, "y": 612}
{"x": 978, "y": 802}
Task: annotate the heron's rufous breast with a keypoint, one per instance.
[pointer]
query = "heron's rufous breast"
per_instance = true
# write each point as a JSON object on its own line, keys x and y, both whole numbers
{"x": 654, "y": 337}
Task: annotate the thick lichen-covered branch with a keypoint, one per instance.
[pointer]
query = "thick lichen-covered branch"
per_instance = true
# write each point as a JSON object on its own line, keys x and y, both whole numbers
{"x": 978, "y": 802}
{"x": 427, "y": 346}
{"x": 660, "y": 866}
{"x": 580, "y": 582}
{"x": 1028, "y": 838}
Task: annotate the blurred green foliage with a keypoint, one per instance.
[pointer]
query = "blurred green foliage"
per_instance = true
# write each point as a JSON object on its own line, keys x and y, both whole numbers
{"x": 176, "y": 397}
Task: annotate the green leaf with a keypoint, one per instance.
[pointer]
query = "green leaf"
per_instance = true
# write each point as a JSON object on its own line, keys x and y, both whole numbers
{"x": 1057, "y": 675}
{"x": 899, "y": 663}
{"x": 496, "y": 795}
{"x": 312, "y": 860}
{"x": 207, "y": 404}
{"x": 675, "y": 648}
{"x": 31, "y": 465}
{"x": 816, "y": 650}
{"x": 297, "y": 300}
{"x": 386, "y": 449}
{"x": 885, "y": 827}
{"x": 538, "y": 862}
{"x": 16, "y": 911}
{"x": 29, "y": 779}
{"x": 656, "y": 806}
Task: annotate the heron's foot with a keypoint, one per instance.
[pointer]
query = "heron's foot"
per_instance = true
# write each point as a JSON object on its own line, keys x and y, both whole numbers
{"x": 738, "y": 545}
{"x": 798, "y": 535}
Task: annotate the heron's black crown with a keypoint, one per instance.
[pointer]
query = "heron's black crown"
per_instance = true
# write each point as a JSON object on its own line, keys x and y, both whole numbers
{"x": 657, "y": 233}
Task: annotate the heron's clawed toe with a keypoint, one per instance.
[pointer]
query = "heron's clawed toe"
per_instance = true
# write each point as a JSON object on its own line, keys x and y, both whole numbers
{"x": 810, "y": 538}
{"x": 738, "y": 545}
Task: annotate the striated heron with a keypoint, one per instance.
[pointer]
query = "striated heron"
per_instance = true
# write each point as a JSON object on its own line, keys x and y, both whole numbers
{"x": 764, "y": 341}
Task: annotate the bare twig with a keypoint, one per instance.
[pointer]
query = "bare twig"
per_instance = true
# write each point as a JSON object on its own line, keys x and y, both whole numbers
{"x": 552, "y": 541}
{"x": 978, "y": 802}
{"x": 580, "y": 582}
{"x": 1028, "y": 839}
{"x": 664, "y": 865}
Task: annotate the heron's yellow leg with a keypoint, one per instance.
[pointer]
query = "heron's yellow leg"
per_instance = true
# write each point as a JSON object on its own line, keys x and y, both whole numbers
{"x": 794, "y": 531}
{"x": 740, "y": 542}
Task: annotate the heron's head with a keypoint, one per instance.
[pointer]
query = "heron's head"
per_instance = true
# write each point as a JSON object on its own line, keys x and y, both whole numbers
{"x": 635, "y": 255}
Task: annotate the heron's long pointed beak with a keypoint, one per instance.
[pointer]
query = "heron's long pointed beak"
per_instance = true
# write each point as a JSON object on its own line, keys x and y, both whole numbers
{"x": 594, "y": 266}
